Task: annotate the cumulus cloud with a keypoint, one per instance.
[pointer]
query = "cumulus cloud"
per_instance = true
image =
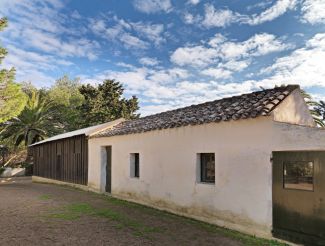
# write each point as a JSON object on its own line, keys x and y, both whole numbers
{"x": 40, "y": 25}
{"x": 194, "y": 2}
{"x": 131, "y": 41}
{"x": 164, "y": 89}
{"x": 41, "y": 39}
{"x": 214, "y": 17}
{"x": 152, "y": 6}
{"x": 221, "y": 48}
{"x": 147, "y": 61}
{"x": 136, "y": 35}
{"x": 313, "y": 11}
{"x": 303, "y": 66}
{"x": 217, "y": 73}
{"x": 153, "y": 32}
{"x": 188, "y": 18}
{"x": 276, "y": 10}
{"x": 32, "y": 66}
{"x": 218, "y": 17}
{"x": 196, "y": 56}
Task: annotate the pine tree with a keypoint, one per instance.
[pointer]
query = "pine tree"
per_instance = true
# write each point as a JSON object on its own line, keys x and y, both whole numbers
{"x": 106, "y": 103}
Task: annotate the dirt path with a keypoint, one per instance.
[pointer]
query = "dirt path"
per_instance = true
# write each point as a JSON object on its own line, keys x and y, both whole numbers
{"x": 42, "y": 214}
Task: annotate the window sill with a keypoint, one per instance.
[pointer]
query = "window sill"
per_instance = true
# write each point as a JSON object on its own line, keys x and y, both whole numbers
{"x": 134, "y": 177}
{"x": 206, "y": 183}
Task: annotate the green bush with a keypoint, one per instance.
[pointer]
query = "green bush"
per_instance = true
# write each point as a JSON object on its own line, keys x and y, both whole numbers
{"x": 2, "y": 169}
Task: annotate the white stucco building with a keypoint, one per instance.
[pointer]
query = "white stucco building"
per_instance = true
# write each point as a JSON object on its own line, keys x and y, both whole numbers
{"x": 212, "y": 161}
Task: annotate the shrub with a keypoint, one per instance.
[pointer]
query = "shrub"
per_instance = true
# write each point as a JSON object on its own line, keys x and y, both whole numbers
{"x": 2, "y": 169}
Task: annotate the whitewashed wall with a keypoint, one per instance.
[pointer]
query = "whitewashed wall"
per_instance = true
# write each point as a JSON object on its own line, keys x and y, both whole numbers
{"x": 241, "y": 197}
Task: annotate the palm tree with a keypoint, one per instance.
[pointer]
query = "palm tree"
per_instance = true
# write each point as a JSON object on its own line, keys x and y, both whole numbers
{"x": 320, "y": 111}
{"x": 36, "y": 122}
{"x": 317, "y": 109}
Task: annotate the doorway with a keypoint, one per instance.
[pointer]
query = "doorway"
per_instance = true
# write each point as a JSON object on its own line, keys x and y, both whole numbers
{"x": 299, "y": 196}
{"x": 108, "y": 186}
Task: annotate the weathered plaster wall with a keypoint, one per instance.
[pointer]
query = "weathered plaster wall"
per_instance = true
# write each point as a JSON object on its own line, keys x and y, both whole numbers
{"x": 293, "y": 110}
{"x": 296, "y": 137}
{"x": 241, "y": 198}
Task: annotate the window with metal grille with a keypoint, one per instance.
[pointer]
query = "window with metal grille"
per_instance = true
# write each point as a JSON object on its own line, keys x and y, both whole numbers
{"x": 135, "y": 165}
{"x": 207, "y": 167}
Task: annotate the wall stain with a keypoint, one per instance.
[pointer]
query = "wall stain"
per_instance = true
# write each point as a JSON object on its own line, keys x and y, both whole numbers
{"x": 211, "y": 215}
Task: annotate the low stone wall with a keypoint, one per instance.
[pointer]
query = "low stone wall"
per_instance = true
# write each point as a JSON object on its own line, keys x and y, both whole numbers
{"x": 38, "y": 179}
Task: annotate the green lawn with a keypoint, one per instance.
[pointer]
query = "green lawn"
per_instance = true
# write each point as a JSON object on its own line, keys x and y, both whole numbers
{"x": 117, "y": 212}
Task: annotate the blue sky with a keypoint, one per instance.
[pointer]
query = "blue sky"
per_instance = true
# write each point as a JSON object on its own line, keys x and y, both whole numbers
{"x": 169, "y": 53}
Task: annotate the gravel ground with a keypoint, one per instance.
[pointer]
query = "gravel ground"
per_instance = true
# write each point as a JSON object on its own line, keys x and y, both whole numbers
{"x": 39, "y": 214}
{"x": 44, "y": 214}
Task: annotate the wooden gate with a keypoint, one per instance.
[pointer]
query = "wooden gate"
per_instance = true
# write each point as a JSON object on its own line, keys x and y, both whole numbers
{"x": 299, "y": 196}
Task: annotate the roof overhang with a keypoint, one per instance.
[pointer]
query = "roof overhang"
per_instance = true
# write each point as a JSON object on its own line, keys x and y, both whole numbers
{"x": 89, "y": 131}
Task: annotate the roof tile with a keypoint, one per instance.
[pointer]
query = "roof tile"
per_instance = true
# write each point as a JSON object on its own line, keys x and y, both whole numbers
{"x": 252, "y": 105}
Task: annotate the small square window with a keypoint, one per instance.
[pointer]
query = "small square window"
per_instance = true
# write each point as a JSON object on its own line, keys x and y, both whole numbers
{"x": 298, "y": 175}
{"x": 207, "y": 167}
{"x": 135, "y": 165}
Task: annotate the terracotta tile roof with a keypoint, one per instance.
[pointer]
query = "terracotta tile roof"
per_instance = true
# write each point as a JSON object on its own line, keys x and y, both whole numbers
{"x": 259, "y": 103}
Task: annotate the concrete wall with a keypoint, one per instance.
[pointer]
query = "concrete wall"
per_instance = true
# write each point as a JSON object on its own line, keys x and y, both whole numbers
{"x": 293, "y": 110}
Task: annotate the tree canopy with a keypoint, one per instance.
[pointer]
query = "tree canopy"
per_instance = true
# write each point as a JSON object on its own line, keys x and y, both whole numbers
{"x": 36, "y": 122}
{"x": 12, "y": 99}
{"x": 106, "y": 103}
{"x": 66, "y": 97}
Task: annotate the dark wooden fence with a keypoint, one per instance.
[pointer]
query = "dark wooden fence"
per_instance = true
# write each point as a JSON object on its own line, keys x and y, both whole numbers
{"x": 64, "y": 159}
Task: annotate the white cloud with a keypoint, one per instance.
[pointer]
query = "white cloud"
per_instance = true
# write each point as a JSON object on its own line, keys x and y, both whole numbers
{"x": 131, "y": 41}
{"x": 51, "y": 44}
{"x": 222, "y": 49}
{"x": 166, "y": 76}
{"x": 32, "y": 66}
{"x": 218, "y": 17}
{"x": 147, "y": 61}
{"x": 188, "y": 18}
{"x": 313, "y": 11}
{"x": 41, "y": 25}
{"x": 236, "y": 65}
{"x": 276, "y": 10}
{"x": 153, "y": 32}
{"x": 304, "y": 66}
{"x": 259, "y": 5}
{"x": 152, "y": 6}
{"x": 217, "y": 73}
{"x": 196, "y": 56}
{"x": 258, "y": 45}
{"x": 223, "y": 17}
{"x": 125, "y": 65}
{"x": 194, "y": 2}
{"x": 133, "y": 35}
{"x": 217, "y": 40}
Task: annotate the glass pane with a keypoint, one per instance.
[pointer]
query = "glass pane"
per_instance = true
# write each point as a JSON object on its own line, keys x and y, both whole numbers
{"x": 207, "y": 167}
{"x": 136, "y": 165}
{"x": 299, "y": 175}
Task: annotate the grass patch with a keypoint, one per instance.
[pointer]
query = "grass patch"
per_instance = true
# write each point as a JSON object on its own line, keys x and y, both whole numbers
{"x": 139, "y": 229}
{"x": 76, "y": 210}
{"x": 241, "y": 237}
{"x": 44, "y": 197}
{"x": 72, "y": 211}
